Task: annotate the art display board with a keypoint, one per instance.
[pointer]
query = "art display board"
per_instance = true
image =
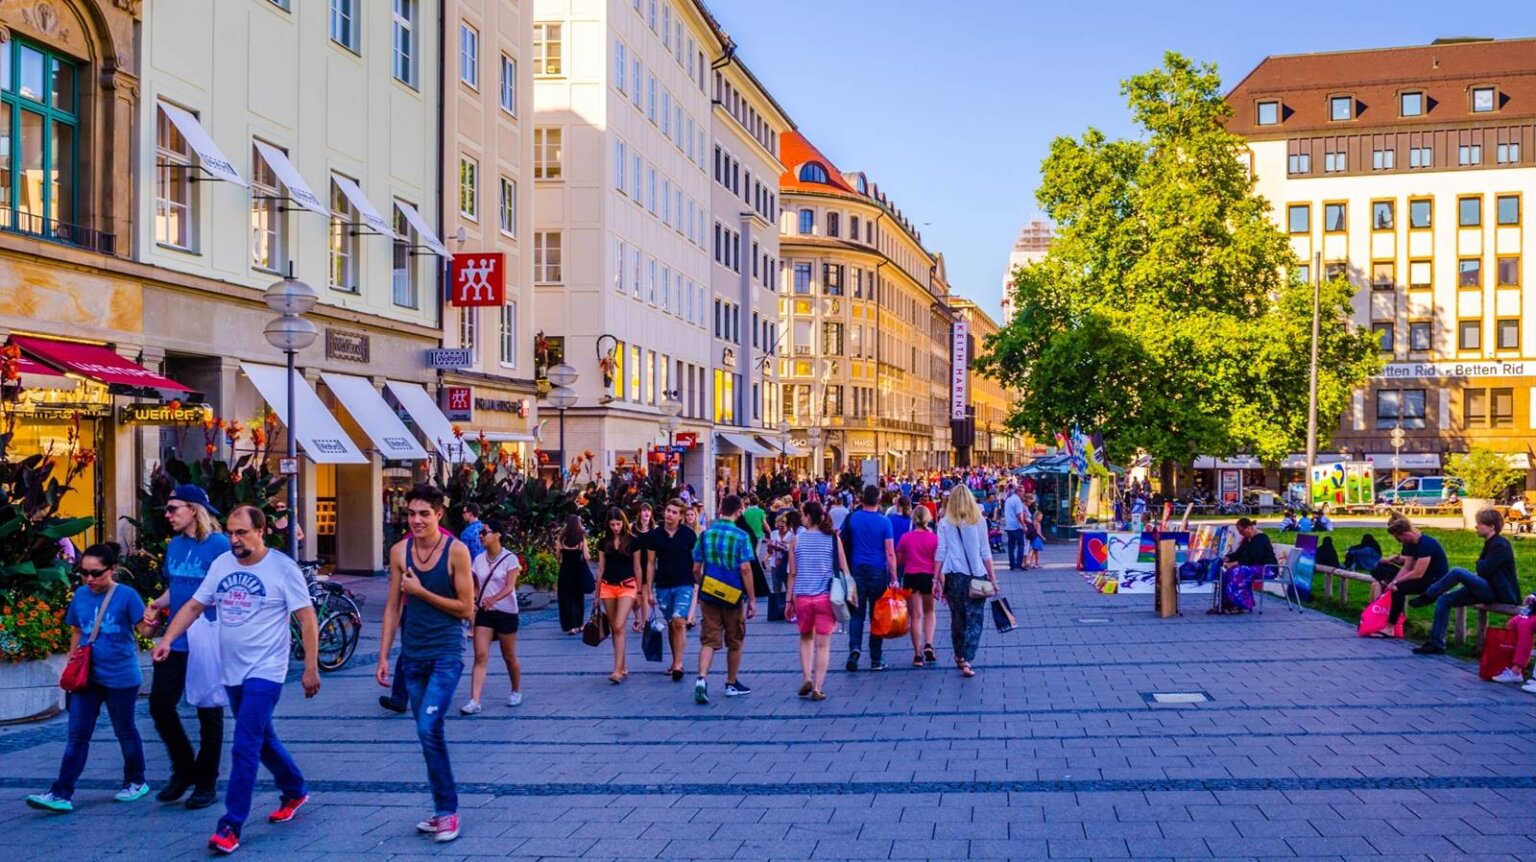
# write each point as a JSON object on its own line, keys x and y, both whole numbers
{"x": 1126, "y": 562}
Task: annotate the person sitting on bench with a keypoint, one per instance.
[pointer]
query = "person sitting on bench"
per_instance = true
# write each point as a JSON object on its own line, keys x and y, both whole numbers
{"x": 1421, "y": 564}
{"x": 1494, "y": 582}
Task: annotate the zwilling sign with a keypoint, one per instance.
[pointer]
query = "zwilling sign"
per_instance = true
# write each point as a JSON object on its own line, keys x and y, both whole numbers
{"x": 479, "y": 279}
{"x": 459, "y": 403}
{"x": 960, "y": 360}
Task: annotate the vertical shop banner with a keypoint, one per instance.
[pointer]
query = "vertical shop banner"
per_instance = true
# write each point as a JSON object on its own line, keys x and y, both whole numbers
{"x": 479, "y": 278}
{"x": 1231, "y": 486}
{"x": 961, "y": 360}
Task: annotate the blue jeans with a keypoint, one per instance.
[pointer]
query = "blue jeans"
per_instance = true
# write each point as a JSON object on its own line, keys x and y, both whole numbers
{"x": 1015, "y": 548}
{"x": 252, "y": 704}
{"x": 431, "y": 683}
{"x": 871, "y": 582}
{"x": 84, "y": 709}
{"x": 1474, "y": 591}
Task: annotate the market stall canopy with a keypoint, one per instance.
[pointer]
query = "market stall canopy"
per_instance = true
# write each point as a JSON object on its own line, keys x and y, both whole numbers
{"x": 423, "y": 233}
{"x": 298, "y": 191}
{"x": 208, "y": 153}
{"x": 377, "y": 419}
{"x": 744, "y": 443}
{"x": 98, "y": 363}
{"x": 433, "y": 424}
{"x": 1055, "y": 465}
{"x": 318, "y": 432}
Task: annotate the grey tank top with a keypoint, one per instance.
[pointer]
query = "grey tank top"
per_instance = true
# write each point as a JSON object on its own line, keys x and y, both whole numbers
{"x": 428, "y": 633}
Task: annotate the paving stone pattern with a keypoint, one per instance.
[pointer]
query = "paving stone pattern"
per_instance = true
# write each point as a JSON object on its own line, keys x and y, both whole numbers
{"x": 1314, "y": 745}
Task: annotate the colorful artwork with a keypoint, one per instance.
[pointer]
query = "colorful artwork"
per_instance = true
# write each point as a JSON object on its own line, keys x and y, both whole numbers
{"x": 1126, "y": 562}
{"x": 1347, "y": 483}
{"x": 1092, "y": 552}
{"x": 1303, "y": 563}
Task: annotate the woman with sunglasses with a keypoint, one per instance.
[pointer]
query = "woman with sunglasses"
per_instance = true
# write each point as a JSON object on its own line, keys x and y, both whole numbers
{"x": 102, "y": 615}
{"x": 495, "y": 571}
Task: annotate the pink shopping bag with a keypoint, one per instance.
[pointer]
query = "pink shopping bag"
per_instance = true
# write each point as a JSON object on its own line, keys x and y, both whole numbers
{"x": 1374, "y": 618}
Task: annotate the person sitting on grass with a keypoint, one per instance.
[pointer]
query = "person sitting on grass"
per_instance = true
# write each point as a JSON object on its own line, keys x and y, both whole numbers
{"x": 1493, "y": 582}
{"x": 1363, "y": 557}
{"x": 1288, "y": 523}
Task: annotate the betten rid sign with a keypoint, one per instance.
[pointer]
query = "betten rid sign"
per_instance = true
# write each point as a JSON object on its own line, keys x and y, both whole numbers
{"x": 1488, "y": 368}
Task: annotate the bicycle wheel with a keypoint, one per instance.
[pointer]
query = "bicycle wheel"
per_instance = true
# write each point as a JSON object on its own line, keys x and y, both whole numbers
{"x": 338, "y": 640}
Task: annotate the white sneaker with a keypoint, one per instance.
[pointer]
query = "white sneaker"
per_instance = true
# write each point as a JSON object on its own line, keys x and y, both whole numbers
{"x": 471, "y": 708}
{"x": 1510, "y": 675}
{"x": 515, "y": 699}
{"x": 1530, "y": 686}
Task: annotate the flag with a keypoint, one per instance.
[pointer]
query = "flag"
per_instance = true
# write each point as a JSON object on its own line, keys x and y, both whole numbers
{"x": 1098, "y": 449}
{"x": 1061, "y": 443}
{"x": 1079, "y": 461}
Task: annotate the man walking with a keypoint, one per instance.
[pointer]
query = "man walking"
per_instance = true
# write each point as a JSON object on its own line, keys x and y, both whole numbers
{"x": 722, "y": 568}
{"x": 1013, "y": 527}
{"x": 473, "y": 527}
{"x": 432, "y": 569}
{"x": 669, "y": 579}
{"x": 872, "y": 554}
{"x": 255, "y": 591}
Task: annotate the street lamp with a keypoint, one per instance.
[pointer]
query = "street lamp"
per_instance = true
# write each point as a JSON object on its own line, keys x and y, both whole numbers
{"x": 783, "y": 427}
{"x": 671, "y": 405}
{"x": 1397, "y": 453}
{"x": 561, "y": 396}
{"x": 290, "y": 333}
{"x": 813, "y": 437}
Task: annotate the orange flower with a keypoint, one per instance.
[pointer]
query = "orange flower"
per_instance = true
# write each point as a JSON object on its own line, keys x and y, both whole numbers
{"x": 623, "y": 461}
{"x": 258, "y": 437}
{"x": 210, "y": 449}
{"x": 458, "y": 433}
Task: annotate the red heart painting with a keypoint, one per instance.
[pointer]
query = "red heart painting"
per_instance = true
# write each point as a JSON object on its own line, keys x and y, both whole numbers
{"x": 1098, "y": 551}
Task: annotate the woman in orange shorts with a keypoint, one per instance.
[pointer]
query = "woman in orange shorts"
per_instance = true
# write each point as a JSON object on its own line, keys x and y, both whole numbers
{"x": 619, "y": 584}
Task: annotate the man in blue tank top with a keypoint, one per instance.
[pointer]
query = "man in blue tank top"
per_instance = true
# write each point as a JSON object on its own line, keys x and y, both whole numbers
{"x": 430, "y": 569}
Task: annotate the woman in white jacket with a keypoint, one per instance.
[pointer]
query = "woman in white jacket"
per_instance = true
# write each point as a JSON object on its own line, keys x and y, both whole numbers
{"x": 963, "y": 557}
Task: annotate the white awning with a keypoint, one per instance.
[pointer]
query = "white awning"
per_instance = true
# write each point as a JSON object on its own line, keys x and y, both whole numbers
{"x": 1405, "y": 461}
{"x": 1519, "y": 460}
{"x": 365, "y": 210}
{"x": 377, "y": 419}
{"x": 208, "y": 153}
{"x": 1299, "y": 461}
{"x": 1237, "y": 462}
{"x": 505, "y": 436}
{"x": 298, "y": 190}
{"x": 744, "y": 443}
{"x": 418, "y": 224}
{"x": 776, "y": 446}
{"x": 318, "y": 431}
{"x": 433, "y": 424}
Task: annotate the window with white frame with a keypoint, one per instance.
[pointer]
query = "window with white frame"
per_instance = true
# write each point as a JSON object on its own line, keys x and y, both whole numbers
{"x": 546, "y": 257}
{"x": 548, "y": 49}
{"x": 173, "y": 186}
{"x": 469, "y": 325}
{"x": 404, "y": 28}
{"x": 268, "y": 227}
{"x": 620, "y": 164}
{"x": 508, "y": 206}
{"x": 403, "y": 270}
{"x": 344, "y": 241}
{"x": 509, "y": 335}
{"x": 548, "y": 154}
{"x": 509, "y": 85}
{"x": 620, "y": 64}
{"x": 469, "y": 55}
{"x": 469, "y": 188}
{"x": 344, "y": 24}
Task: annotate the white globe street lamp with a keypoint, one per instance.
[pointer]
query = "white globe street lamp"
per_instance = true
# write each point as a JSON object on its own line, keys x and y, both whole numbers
{"x": 290, "y": 333}
{"x": 561, "y": 397}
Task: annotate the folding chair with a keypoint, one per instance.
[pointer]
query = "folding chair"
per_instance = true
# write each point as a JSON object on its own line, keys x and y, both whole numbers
{"x": 1287, "y": 581}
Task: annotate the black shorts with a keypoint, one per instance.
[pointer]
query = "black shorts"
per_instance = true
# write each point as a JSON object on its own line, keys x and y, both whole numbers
{"x": 500, "y": 622}
{"x": 918, "y": 583}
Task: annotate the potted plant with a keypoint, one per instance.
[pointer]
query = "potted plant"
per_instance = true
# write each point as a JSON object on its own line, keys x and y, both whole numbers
{"x": 1484, "y": 475}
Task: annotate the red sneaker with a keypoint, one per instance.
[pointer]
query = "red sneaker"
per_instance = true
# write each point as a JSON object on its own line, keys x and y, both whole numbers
{"x": 285, "y": 812}
{"x": 224, "y": 841}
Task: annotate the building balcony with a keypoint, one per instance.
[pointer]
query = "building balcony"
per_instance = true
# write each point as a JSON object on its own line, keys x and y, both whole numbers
{"x": 50, "y": 230}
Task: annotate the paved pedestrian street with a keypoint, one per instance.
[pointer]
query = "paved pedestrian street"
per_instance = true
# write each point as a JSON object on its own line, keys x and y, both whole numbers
{"x": 1313, "y": 744}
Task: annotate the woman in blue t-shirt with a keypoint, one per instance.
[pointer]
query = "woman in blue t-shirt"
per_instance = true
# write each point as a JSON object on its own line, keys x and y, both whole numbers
{"x": 114, "y": 679}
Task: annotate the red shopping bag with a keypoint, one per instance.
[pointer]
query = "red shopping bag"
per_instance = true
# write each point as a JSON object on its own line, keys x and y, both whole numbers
{"x": 1498, "y": 652}
{"x": 891, "y": 614}
{"x": 1374, "y": 618}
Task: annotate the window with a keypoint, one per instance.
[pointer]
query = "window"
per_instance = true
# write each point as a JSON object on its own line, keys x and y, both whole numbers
{"x": 807, "y": 222}
{"x": 832, "y": 279}
{"x": 1411, "y": 104}
{"x": 635, "y": 375}
{"x": 853, "y": 227}
{"x": 1420, "y": 274}
{"x": 1469, "y": 272}
{"x": 1341, "y": 108}
{"x": 509, "y": 335}
{"x": 802, "y": 278}
{"x": 1383, "y": 215}
{"x": 620, "y": 164}
{"x": 1507, "y": 272}
{"x": 832, "y": 339}
{"x": 634, "y": 82}
{"x": 1469, "y": 212}
{"x": 173, "y": 171}
{"x": 650, "y": 377}
{"x": 1399, "y": 407}
{"x": 509, "y": 85}
{"x": 620, "y": 64}
{"x": 1509, "y": 153}
{"x": 1503, "y": 401}
{"x": 1334, "y": 163}
{"x": 469, "y": 326}
{"x": 548, "y": 49}
{"x": 1469, "y": 154}
{"x": 546, "y": 257}
{"x": 1507, "y": 333}
{"x": 1383, "y": 160}
{"x": 1508, "y": 207}
{"x": 650, "y": 97}
{"x": 548, "y": 155}
{"x": 1419, "y": 213}
{"x": 268, "y": 228}
{"x": 469, "y": 55}
{"x": 344, "y": 25}
{"x": 44, "y": 141}
{"x": 344, "y": 241}
{"x": 1333, "y": 271}
{"x": 618, "y": 370}
{"x": 1299, "y": 218}
{"x": 1421, "y": 157}
{"x": 1474, "y": 408}
{"x": 1420, "y": 336}
{"x": 508, "y": 208}
{"x": 1268, "y": 113}
{"x": 1299, "y": 163}
{"x": 1334, "y": 218}
{"x": 814, "y": 172}
{"x": 1484, "y": 100}
{"x": 1469, "y": 335}
{"x": 1383, "y": 333}
{"x": 403, "y": 266}
{"x": 469, "y": 188}
{"x": 1383, "y": 275}
{"x": 404, "y": 28}
{"x": 832, "y": 401}
{"x": 832, "y": 225}
{"x": 1302, "y": 273}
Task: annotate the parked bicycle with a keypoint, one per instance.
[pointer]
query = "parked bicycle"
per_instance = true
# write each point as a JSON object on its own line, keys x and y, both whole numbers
{"x": 340, "y": 620}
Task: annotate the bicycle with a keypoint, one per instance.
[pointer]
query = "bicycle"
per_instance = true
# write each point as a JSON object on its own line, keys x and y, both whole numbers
{"x": 339, "y": 620}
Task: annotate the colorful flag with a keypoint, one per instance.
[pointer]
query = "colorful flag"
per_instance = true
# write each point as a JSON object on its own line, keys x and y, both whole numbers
{"x": 1079, "y": 456}
{"x": 1098, "y": 449}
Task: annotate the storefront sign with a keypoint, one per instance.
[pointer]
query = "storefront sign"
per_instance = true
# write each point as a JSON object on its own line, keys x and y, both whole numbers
{"x": 959, "y": 360}
{"x": 686, "y": 439}
{"x": 288, "y": 466}
{"x": 501, "y": 405}
{"x": 1405, "y": 460}
{"x": 452, "y": 358}
{"x": 1419, "y": 370}
{"x": 479, "y": 278}
{"x": 164, "y": 414}
{"x": 1231, "y": 486}
{"x": 346, "y": 345}
{"x": 458, "y": 403}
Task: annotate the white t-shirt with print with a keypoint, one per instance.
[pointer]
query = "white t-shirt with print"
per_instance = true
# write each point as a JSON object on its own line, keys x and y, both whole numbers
{"x": 254, "y": 603}
{"x": 491, "y": 578}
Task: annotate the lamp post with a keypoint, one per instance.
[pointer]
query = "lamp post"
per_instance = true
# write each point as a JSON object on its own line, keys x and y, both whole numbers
{"x": 561, "y": 396}
{"x": 813, "y": 437}
{"x": 290, "y": 333}
{"x": 671, "y": 405}
{"x": 783, "y": 427}
{"x": 1397, "y": 454}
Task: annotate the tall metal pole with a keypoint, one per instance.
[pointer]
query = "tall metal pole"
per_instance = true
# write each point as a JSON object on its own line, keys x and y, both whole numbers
{"x": 293, "y": 458}
{"x": 563, "y": 477}
{"x": 1317, "y": 288}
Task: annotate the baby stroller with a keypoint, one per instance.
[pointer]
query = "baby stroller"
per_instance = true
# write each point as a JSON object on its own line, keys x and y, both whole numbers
{"x": 995, "y": 536}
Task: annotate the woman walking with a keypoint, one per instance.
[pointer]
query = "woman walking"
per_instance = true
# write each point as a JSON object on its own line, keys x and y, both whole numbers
{"x": 102, "y": 616}
{"x": 495, "y": 571}
{"x": 814, "y": 553}
{"x": 915, "y": 557}
{"x": 962, "y": 558}
{"x": 620, "y": 585}
{"x": 575, "y": 579}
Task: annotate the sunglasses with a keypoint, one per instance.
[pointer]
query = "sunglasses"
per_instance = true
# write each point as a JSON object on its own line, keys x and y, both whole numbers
{"x": 93, "y": 573}
{"x": 173, "y": 508}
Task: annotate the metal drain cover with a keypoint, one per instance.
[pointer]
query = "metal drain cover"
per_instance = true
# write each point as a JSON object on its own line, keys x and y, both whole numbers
{"x": 1175, "y": 697}
{"x": 1088, "y": 621}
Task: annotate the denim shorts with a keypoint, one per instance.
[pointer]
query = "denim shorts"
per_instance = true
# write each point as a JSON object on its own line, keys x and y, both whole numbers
{"x": 674, "y": 601}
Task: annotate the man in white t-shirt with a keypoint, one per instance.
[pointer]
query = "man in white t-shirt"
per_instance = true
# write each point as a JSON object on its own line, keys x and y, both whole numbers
{"x": 255, "y": 592}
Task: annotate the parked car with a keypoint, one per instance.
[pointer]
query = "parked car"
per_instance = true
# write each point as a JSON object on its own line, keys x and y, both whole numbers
{"x": 1421, "y": 491}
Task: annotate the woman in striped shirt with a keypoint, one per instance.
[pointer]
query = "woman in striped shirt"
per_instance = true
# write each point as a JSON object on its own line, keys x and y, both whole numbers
{"x": 813, "y": 552}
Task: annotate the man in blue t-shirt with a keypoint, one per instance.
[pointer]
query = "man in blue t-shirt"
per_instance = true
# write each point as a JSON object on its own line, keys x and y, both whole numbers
{"x": 1421, "y": 563}
{"x": 870, "y": 543}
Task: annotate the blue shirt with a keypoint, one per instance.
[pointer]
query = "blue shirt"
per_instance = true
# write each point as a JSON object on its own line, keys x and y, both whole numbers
{"x": 471, "y": 538}
{"x": 900, "y": 526}
{"x": 114, "y": 654}
{"x": 1428, "y": 547}
{"x": 186, "y": 564}
{"x": 871, "y": 530}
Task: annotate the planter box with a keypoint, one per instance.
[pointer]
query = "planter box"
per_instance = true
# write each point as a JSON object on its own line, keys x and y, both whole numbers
{"x": 1470, "y": 506}
{"x": 30, "y": 689}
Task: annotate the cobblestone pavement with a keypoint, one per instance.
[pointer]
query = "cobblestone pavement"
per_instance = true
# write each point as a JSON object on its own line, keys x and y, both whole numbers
{"x": 1314, "y": 744}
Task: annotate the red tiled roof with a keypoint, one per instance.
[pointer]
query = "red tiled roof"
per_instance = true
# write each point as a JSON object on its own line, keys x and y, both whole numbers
{"x": 795, "y": 151}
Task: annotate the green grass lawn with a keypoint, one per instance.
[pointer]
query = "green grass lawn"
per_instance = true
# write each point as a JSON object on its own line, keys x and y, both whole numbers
{"x": 1461, "y": 549}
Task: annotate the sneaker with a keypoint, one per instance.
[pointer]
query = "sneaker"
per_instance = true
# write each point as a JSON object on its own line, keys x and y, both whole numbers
{"x": 131, "y": 793}
{"x": 225, "y": 841}
{"x": 49, "y": 802}
{"x": 287, "y": 809}
{"x": 471, "y": 708}
{"x": 806, "y": 688}
{"x": 447, "y": 828}
{"x": 201, "y": 798}
{"x": 878, "y": 665}
{"x": 1511, "y": 676}
{"x": 515, "y": 699}
{"x": 736, "y": 689}
{"x": 1530, "y": 686}
{"x": 853, "y": 662}
{"x": 173, "y": 789}
{"x": 1429, "y": 649}
{"x": 701, "y": 692}
{"x": 428, "y": 826}
{"x": 391, "y": 705}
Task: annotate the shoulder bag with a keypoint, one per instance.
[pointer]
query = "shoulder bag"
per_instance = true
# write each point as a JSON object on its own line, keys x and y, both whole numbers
{"x": 980, "y": 588}
{"x": 841, "y": 590}
{"x": 77, "y": 673}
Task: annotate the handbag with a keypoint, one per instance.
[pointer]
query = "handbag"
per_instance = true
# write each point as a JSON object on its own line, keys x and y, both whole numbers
{"x": 655, "y": 635}
{"x": 980, "y": 588}
{"x": 205, "y": 666}
{"x": 1498, "y": 652}
{"x": 1002, "y": 615}
{"x": 77, "y": 673}
{"x": 597, "y": 629}
{"x": 842, "y": 591}
{"x": 776, "y": 607}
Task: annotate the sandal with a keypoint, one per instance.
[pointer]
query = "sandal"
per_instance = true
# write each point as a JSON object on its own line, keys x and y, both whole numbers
{"x": 928, "y": 654}
{"x": 966, "y": 671}
{"x": 917, "y": 661}
{"x": 617, "y": 678}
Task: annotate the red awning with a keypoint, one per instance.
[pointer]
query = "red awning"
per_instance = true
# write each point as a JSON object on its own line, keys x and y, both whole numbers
{"x": 28, "y": 365}
{"x": 96, "y": 362}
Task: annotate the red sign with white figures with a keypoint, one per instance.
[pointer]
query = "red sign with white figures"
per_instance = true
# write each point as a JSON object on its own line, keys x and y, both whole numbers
{"x": 459, "y": 403}
{"x": 688, "y": 439}
{"x": 479, "y": 279}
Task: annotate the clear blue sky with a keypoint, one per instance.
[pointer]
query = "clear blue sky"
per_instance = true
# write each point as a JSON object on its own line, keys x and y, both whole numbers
{"x": 951, "y": 104}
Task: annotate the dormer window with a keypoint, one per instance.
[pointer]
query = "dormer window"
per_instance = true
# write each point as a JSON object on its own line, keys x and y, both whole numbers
{"x": 1411, "y": 104}
{"x": 1269, "y": 113}
{"x": 1341, "y": 108}
{"x": 814, "y": 172}
{"x": 1484, "y": 100}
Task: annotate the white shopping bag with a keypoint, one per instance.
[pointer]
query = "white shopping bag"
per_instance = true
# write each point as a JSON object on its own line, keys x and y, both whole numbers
{"x": 205, "y": 669}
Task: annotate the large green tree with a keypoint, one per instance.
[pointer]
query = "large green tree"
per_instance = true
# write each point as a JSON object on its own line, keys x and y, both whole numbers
{"x": 1169, "y": 314}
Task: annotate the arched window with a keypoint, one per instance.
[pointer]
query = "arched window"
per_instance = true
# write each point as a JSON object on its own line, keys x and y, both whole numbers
{"x": 853, "y": 228}
{"x": 832, "y": 224}
{"x": 807, "y": 222}
{"x": 862, "y": 185}
{"x": 813, "y": 172}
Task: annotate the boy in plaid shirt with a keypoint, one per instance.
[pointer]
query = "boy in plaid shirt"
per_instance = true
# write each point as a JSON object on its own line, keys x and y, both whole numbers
{"x": 723, "y": 551}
